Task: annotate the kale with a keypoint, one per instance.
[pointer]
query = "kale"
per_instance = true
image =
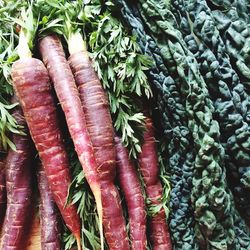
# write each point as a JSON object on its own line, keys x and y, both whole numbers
{"x": 231, "y": 102}
{"x": 235, "y": 32}
{"x": 217, "y": 223}
{"x": 177, "y": 135}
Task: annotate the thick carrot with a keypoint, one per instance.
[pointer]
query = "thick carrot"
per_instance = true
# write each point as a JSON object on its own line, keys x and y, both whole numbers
{"x": 159, "y": 234}
{"x": 60, "y": 73}
{"x": 18, "y": 185}
{"x": 32, "y": 85}
{"x": 2, "y": 190}
{"x": 99, "y": 124}
{"x": 49, "y": 215}
{"x": 131, "y": 187}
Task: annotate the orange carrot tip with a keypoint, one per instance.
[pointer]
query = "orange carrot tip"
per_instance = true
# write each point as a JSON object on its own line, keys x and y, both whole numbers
{"x": 78, "y": 242}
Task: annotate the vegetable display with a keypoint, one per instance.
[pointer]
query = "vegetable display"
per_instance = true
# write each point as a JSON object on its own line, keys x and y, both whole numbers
{"x": 135, "y": 132}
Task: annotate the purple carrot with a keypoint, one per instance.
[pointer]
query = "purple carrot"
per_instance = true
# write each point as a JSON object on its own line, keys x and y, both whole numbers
{"x": 159, "y": 234}
{"x": 49, "y": 215}
{"x": 18, "y": 185}
{"x": 131, "y": 187}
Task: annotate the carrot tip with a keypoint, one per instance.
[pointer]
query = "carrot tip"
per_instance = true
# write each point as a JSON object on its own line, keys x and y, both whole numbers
{"x": 100, "y": 215}
{"x": 78, "y": 242}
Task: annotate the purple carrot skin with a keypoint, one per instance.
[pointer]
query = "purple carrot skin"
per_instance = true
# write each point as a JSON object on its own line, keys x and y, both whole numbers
{"x": 159, "y": 234}
{"x": 2, "y": 190}
{"x": 99, "y": 124}
{"x": 18, "y": 166}
{"x": 63, "y": 80}
{"x": 49, "y": 215}
{"x": 32, "y": 85}
{"x": 131, "y": 187}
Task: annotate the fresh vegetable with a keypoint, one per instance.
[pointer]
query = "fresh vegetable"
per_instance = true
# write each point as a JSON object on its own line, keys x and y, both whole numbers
{"x": 19, "y": 164}
{"x": 232, "y": 7}
{"x": 49, "y": 215}
{"x": 161, "y": 26}
{"x": 2, "y": 190}
{"x": 32, "y": 85}
{"x": 148, "y": 160}
{"x": 63, "y": 81}
{"x": 94, "y": 100}
{"x": 130, "y": 185}
{"x": 123, "y": 89}
{"x": 121, "y": 67}
{"x": 231, "y": 102}
{"x": 211, "y": 197}
{"x": 177, "y": 142}
{"x": 235, "y": 33}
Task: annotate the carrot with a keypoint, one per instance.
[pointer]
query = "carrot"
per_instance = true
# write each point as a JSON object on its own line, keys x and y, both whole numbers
{"x": 49, "y": 216}
{"x": 2, "y": 190}
{"x": 131, "y": 187}
{"x": 148, "y": 160}
{"x": 32, "y": 85}
{"x": 60, "y": 73}
{"x": 99, "y": 124}
{"x": 18, "y": 185}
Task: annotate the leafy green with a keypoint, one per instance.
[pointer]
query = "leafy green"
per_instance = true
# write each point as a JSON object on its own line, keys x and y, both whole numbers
{"x": 8, "y": 54}
{"x": 176, "y": 151}
{"x": 231, "y": 102}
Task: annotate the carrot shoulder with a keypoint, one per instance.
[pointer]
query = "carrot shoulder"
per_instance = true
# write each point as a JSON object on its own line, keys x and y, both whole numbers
{"x": 19, "y": 165}
{"x": 131, "y": 187}
{"x": 32, "y": 85}
{"x": 159, "y": 234}
{"x": 96, "y": 109}
{"x": 49, "y": 214}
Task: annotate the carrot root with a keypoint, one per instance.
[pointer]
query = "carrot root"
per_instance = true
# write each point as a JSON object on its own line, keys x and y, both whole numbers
{"x": 78, "y": 242}
{"x": 148, "y": 159}
{"x": 94, "y": 101}
{"x": 31, "y": 83}
{"x": 64, "y": 83}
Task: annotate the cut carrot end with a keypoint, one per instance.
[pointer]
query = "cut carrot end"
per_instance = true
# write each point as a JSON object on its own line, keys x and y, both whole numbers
{"x": 78, "y": 242}
{"x": 23, "y": 50}
{"x": 76, "y": 43}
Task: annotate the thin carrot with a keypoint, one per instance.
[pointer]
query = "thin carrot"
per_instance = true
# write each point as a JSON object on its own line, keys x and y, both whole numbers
{"x": 159, "y": 234}
{"x": 96, "y": 109}
{"x": 49, "y": 214}
{"x": 63, "y": 80}
{"x": 18, "y": 185}
{"x": 131, "y": 187}
{"x": 32, "y": 85}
